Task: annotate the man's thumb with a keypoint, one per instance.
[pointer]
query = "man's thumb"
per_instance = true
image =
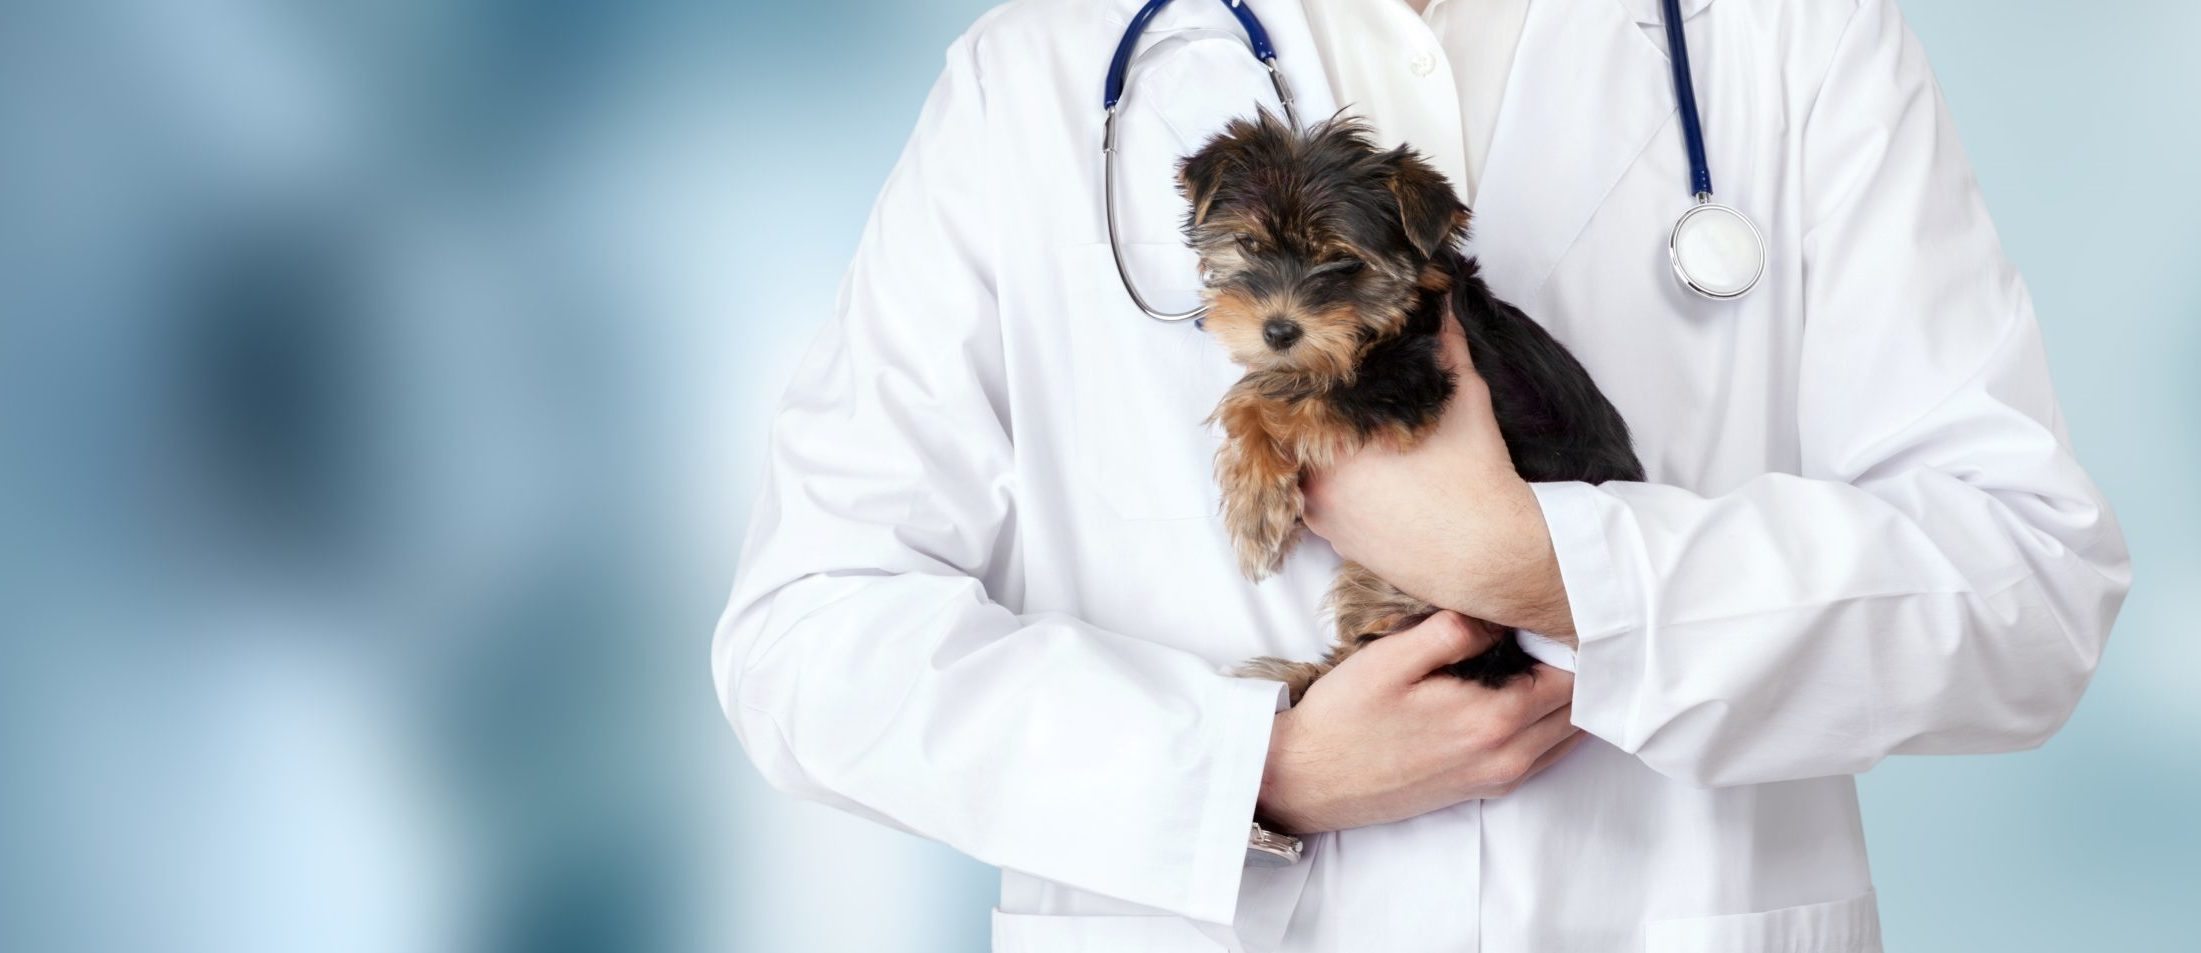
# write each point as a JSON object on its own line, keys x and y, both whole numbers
{"x": 1438, "y": 641}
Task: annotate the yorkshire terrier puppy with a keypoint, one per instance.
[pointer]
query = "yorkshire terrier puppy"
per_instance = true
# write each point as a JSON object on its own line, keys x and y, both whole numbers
{"x": 1329, "y": 265}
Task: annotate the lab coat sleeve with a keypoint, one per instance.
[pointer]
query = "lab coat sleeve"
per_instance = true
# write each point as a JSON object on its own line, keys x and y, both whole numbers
{"x": 1941, "y": 575}
{"x": 870, "y": 658}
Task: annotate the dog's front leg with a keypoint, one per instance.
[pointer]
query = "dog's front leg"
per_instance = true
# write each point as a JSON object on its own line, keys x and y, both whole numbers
{"x": 1260, "y": 482}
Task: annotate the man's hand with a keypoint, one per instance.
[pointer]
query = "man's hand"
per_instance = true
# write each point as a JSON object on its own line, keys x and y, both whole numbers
{"x": 1380, "y": 738}
{"x": 1448, "y": 520}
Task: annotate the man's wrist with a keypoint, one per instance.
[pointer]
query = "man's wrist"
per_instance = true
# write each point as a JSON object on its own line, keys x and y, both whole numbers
{"x": 1276, "y": 807}
{"x": 1543, "y": 592}
{"x": 1517, "y": 582}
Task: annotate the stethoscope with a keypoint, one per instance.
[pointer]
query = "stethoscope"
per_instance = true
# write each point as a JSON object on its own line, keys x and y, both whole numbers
{"x": 1715, "y": 250}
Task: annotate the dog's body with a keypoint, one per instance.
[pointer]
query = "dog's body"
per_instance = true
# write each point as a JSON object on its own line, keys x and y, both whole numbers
{"x": 1330, "y": 267}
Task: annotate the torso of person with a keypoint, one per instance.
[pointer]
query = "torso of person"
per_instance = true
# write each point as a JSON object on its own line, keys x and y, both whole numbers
{"x": 1561, "y": 128}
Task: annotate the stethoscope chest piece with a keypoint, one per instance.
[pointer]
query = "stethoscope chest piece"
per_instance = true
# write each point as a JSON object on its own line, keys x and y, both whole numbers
{"x": 1716, "y": 251}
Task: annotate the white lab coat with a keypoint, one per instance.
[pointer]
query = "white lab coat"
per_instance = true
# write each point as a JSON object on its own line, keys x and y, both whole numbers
{"x": 986, "y": 599}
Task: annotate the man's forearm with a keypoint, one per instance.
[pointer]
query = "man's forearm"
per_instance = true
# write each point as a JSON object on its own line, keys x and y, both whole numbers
{"x": 1507, "y": 570}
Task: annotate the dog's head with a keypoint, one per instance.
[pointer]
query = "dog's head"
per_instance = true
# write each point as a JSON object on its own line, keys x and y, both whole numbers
{"x": 1313, "y": 243}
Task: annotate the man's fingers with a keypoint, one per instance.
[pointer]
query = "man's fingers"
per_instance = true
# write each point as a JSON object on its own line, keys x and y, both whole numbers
{"x": 1524, "y": 701}
{"x": 1452, "y": 342}
{"x": 1534, "y": 744}
{"x": 1548, "y": 689}
{"x": 1438, "y": 641}
{"x": 1552, "y": 754}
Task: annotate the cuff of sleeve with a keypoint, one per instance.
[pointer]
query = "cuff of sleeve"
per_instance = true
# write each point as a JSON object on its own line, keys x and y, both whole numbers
{"x": 1242, "y": 718}
{"x": 1606, "y": 593}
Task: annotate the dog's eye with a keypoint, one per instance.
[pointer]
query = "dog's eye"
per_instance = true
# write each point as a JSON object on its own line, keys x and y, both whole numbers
{"x": 1346, "y": 267}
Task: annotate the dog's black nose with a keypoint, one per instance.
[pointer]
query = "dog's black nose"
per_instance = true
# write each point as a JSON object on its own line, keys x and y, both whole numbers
{"x": 1280, "y": 333}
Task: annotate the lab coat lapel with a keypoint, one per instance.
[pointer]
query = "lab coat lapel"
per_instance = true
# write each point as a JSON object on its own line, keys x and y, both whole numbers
{"x": 1589, "y": 91}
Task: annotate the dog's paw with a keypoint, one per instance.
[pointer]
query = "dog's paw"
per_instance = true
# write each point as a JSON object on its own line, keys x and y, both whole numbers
{"x": 1264, "y": 528}
{"x": 1366, "y": 607}
{"x": 1260, "y": 561}
{"x": 1296, "y": 676}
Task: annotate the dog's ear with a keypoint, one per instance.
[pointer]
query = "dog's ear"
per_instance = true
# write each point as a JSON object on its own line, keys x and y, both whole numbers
{"x": 1226, "y": 156}
{"x": 1202, "y": 174}
{"x": 1199, "y": 176}
{"x": 1429, "y": 211}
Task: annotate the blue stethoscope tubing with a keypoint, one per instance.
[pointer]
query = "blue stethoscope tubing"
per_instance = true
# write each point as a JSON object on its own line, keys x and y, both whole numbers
{"x": 1685, "y": 93}
{"x": 1741, "y": 247}
{"x": 1707, "y": 228}
{"x": 1257, "y": 38}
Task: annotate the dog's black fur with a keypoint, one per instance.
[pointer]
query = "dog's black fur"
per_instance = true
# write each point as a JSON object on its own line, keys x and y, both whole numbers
{"x": 1356, "y": 248}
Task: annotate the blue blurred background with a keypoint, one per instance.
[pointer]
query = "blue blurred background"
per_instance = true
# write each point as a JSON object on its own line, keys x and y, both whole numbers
{"x": 382, "y": 387}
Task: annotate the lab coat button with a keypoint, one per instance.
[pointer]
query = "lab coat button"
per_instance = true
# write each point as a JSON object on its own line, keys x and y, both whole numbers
{"x": 1422, "y": 64}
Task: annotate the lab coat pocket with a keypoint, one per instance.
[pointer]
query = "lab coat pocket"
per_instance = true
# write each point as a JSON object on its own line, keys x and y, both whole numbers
{"x": 1143, "y": 388}
{"x": 1042, "y": 933}
{"x": 1843, "y": 926}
